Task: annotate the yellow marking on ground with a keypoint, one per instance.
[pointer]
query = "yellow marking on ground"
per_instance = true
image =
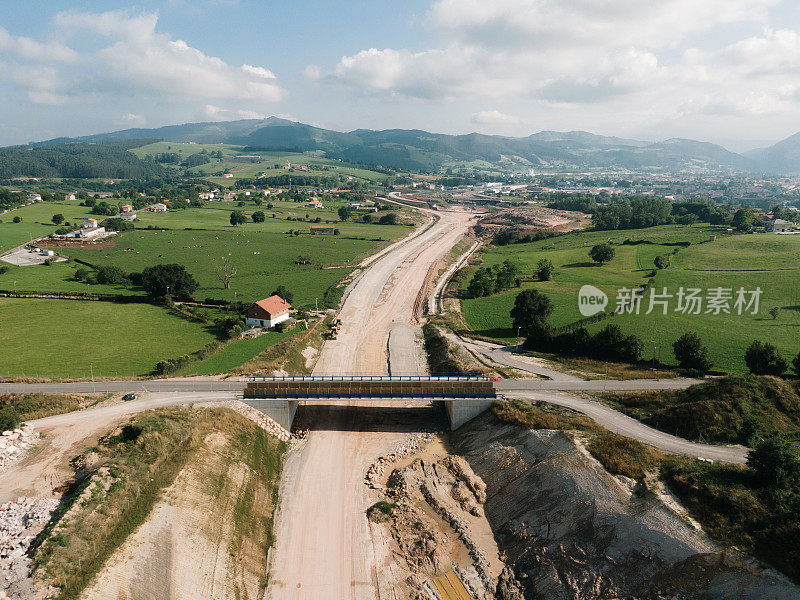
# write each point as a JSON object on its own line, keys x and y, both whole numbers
{"x": 450, "y": 587}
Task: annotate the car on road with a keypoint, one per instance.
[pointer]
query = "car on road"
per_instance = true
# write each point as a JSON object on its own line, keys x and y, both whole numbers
{"x": 128, "y": 397}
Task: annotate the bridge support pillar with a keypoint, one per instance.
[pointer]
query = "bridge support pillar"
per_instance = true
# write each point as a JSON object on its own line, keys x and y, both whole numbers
{"x": 280, "y": 411}
{"x": 461, "y": 411}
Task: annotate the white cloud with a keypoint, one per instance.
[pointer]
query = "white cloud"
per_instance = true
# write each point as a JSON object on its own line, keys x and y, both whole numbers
{"x": 126, "y": 55}
{"x": 134, "y": 119}
{"x": 642, "y": 62}
{"x": 312, "y": 72}
{"x": 493, "y": 117}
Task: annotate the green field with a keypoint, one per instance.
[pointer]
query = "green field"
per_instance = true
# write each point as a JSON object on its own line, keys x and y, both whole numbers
{"x": 61, "y": 338}
{"x": 732, "y": 261}
{"x": 263, "y": 253}
{"x": 263, "y": 260}
{"x": 36, "y": 221}
{"x": 236, "y": 354}
{"x": 318, "y": 164}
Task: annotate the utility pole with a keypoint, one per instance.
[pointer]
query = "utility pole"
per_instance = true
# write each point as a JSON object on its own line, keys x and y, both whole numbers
{"x": 91, "y": 367}
{"x": 316, "y": 304}
{"x": 518, "y": 328}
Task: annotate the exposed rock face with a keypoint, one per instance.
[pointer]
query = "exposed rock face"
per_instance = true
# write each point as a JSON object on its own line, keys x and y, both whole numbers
{"x": 571, "y": 531}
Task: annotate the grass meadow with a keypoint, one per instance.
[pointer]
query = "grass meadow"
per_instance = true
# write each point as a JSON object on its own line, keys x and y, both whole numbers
{"x": 762, "y": 260}
{"x": 60, "y": 338}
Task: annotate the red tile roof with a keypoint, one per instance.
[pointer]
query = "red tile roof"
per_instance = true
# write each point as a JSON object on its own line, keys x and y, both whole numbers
{"x": 274, "y": 304}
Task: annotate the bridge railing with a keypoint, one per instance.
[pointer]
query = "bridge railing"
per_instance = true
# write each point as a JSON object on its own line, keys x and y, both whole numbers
{"x": 370, "y": 378}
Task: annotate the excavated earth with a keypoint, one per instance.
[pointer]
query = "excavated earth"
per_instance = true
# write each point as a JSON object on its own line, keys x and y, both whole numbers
{"x": 569, "y": 530}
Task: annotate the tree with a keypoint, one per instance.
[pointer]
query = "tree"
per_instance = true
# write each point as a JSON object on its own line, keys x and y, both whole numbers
{"x": 506, "y": 276}
{"x": 602, "y": 253}
{"x": 691, "y": 354}
{"x": 796, "y": 364}
{"x": 345, "y": 212}
{"x": 110, "y": 275}
{"x": 482, "y": 283}
{"x": 82, "y": 274}
{"x": 530, "y": 312}
{"x": 225, "y": 272}
{"x": 544, "y": 269}
{"x": 17, "y": 219}
{"x": 661, "y": 262}
{"x": 172, "y": 280}
{"x": 743, "y": 219}
{"x": 390, "y": 219}
{"x": 57, "y": 219}
{"x": 774, "y": 311}
{"x": 764, "y": 359}
{"x": 775, "y": 461}
{"x": 283, "y": 293}
{"x": 237, "y": 218}
{"x": 259, "y": 217}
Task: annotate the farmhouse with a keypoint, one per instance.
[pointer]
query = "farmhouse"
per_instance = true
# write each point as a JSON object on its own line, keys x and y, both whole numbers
{"x": 322, "y": 229}
{"x": 34, "y": 197}
{"x": 127, "y": 216}
{"x": 88, "y": 233}
{"x": 268, "y": 312}
{"x": 158, "y": 207}
{"x": 89, "y": 224}
{"x": 314, "y": 203}
{"x": 126, "y": 208}
{"x": 70, "y": 197}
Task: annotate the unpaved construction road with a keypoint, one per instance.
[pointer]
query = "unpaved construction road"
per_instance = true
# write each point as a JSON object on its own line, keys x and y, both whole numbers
{"x": 323, "y": 547}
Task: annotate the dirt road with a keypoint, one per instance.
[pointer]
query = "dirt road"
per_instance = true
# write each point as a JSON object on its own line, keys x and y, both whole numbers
{"x": 323, "y": 547}
{"x": 67, "y": 435}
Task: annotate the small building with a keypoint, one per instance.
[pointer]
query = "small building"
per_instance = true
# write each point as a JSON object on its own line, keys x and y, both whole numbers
{"x": 322, "y": 229}
{"x": 128, "y": 216}
{"x": 34, "y": 197}
{"x": 70, "y": 197}
{"x": 778, "y": 226}
{"x": 158, "y": 207}
{"x": 89, "y": 224}
{"x": 268, "y": 312}
{"x": 314, "y": 203}
{"x": 227, "y": 175}
{"x": 228, "y": 197}
{"x": 126, "y": 208}
{"x": 87, "y": 233}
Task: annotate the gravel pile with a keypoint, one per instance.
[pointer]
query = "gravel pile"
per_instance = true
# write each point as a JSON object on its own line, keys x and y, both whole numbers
{"x": 13, "y": 444}
{"x": 408, "y": 446}
{"x": 20, "y": 523}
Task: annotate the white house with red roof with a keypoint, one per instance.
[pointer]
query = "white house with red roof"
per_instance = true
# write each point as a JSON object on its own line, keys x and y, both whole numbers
{"x": 267, "y": 312}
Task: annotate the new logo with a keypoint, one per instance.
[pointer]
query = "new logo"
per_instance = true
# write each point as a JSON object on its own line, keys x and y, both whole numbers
{"x": 591, "y": 300}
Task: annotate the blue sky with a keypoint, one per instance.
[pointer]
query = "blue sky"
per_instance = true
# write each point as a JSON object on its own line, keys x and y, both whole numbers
{"x": 726, "y": 71}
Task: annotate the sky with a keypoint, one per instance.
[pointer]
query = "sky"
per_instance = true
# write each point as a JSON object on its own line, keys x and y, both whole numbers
{"x": 724, "y": 71}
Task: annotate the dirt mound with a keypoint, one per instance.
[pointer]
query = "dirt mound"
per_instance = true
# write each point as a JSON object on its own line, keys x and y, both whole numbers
{"x": 571, "y": 530}
{"x": 534, "y": 218}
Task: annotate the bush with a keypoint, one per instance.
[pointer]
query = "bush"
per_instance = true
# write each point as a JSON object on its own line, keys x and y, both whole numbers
{"x": 259, "y": 216}
{"x": 544, "y": 269}
{"x": 390, "y": 219}
{"x": 691, "y": 354}
{"x": 764, "y": 359}
{"x": 57, "y": 219}
{"x": 661, "y": 262}
{"x": 9, "y": 418}
{"x": 602, "y": 253}
{"x": 775, "y": 461}
{"x": 17, "y": 219}
{"x": 3, "y": 270}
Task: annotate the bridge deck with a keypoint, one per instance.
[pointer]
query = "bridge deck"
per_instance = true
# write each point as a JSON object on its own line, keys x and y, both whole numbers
{"x": 371, "y": 387}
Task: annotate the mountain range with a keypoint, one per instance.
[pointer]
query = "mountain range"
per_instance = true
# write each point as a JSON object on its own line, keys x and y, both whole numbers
{"x": 414, "y": 149}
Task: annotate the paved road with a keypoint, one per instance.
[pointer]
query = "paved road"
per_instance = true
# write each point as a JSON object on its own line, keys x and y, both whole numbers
{"x": 625, "y": 425}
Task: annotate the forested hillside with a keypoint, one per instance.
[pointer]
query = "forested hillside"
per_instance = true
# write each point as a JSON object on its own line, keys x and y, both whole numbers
{"x": 77, "y": 160}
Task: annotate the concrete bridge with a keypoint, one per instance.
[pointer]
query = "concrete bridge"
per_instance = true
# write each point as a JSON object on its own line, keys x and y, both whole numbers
{"x": 464, "y": 397}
